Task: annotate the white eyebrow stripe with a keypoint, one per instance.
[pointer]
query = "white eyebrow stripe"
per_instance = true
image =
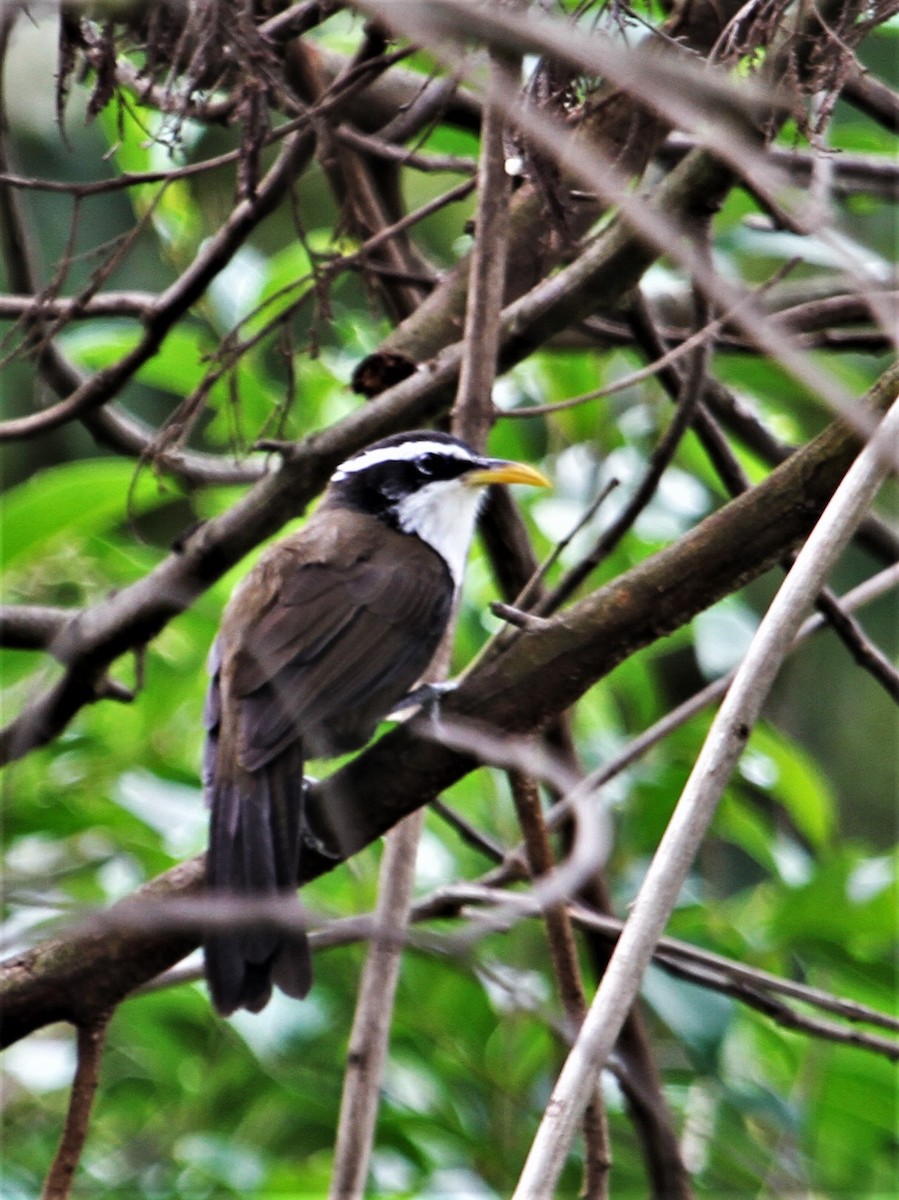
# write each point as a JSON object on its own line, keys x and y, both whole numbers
{"x": 405, "y": 451}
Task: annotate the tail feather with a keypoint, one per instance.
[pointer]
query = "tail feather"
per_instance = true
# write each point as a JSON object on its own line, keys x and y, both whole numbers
{"x": 254, "y": 847}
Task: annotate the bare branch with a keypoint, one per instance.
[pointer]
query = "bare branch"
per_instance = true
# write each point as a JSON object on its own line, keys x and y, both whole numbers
{"x": 868, "y": 656}
{"x": 373, "y": 1017}
{"x": 105, "y": 304}
{"x": 750, "y": 985}
{"x": 563, "y": 954}
{"x": 873, "y": 97}
{"x": 91, "y": 1039}
{"x": 853, "y": 174}
{"x": 32, "y": 626}
{"x": 473, "y": 411}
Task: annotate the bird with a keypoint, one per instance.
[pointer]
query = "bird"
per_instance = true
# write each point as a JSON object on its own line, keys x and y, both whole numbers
{"x": 325, "y": 636}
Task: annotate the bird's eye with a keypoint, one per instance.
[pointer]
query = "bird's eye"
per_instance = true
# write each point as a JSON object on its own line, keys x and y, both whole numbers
{"x": 427, "y": 464}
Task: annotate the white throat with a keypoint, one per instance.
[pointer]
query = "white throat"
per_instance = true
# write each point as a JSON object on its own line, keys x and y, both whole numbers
{"x": 443, "y": 514}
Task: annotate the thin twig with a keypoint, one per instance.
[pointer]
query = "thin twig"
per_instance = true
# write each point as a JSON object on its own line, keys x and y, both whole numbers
{"x": 661, "y": 458}
{"x": 564, "y": 959}
{"x": 520, "y": 613}
{"x": 469, "y": 834}
{"x": 705, "y": 968}
{"x": 702, "y": 337}
{"x": 868, "y": 656}
{"x": 850, "y": 632}
{"x": 472, "y": 415}
{"x": 91, "y": 1039}
{"x": 69, "y": 308}
{"x": 865, "y": 174}
{"x": 370, "y": 1034}
{"x": 379, "y": 148}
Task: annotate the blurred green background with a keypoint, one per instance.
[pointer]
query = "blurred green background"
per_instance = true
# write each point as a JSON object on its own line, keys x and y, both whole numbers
{"x": 798, "y": 877}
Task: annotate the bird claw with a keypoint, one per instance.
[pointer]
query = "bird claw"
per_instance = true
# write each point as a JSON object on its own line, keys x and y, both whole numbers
{"x": 314, "y": 843}
{"x": 311, "y": 840}
{"x": 425, "y": 698}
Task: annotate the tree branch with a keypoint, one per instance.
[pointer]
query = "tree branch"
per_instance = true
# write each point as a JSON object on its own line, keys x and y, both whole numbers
{"x": 91, "y": 1039}
{"x": 749, "y": 985}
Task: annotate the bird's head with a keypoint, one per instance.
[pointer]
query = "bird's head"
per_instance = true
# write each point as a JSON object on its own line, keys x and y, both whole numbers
{"x": 426, "y": 484}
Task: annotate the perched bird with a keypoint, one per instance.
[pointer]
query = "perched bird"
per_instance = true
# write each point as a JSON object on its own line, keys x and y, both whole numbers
{"x": 329, "y": 631}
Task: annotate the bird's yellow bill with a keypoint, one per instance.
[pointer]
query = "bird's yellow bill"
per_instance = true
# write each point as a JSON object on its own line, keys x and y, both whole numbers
{"x": 506, "y": 472}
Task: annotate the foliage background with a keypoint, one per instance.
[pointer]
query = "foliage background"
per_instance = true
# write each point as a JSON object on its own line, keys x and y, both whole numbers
{"x": 798, "y": 877}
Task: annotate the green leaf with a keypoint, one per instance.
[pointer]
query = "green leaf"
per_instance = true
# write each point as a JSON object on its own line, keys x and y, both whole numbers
{"x": 72, "y": 501}
{"x": 796, "y": 782}
{"x": 178, "y": 366}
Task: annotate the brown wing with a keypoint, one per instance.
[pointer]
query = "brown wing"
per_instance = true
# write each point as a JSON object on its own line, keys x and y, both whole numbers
{"x": 350, "y": 619}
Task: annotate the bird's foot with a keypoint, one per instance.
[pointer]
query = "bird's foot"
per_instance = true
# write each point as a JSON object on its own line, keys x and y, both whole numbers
{"x": 311, "y": 839}
{"x": 319, "y": 846}
{"x": 425, "y": 698}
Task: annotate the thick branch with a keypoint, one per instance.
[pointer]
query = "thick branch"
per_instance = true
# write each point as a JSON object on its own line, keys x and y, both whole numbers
{"x": 32, "y": 626}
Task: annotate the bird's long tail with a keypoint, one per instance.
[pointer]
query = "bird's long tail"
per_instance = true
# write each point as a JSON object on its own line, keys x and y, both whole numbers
{"x": 254, "y": 848}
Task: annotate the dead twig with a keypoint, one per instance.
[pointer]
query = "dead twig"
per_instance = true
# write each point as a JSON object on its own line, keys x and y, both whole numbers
{"x": 91, "y": 1039}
